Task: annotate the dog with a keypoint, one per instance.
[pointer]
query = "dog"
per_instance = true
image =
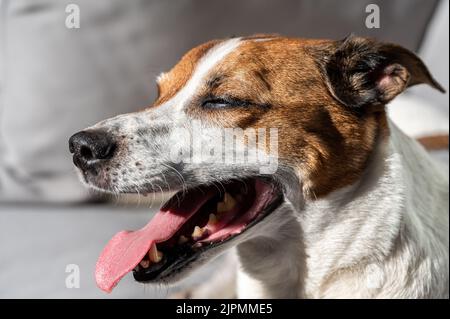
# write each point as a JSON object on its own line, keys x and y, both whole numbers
{"x": 353, "y": 209}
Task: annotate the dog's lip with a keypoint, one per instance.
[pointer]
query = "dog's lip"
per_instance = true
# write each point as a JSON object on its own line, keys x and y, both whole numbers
{"x": 175, "y": 261}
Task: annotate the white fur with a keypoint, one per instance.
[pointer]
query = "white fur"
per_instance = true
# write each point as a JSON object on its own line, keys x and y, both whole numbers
{"x": 384, "y": 237}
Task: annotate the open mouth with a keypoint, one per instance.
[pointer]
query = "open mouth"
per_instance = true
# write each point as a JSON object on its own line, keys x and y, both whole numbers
{"x": 189, "y": 224}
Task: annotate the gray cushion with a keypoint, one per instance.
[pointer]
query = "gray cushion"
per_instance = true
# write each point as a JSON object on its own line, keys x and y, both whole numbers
{"x": 57, "y": 81}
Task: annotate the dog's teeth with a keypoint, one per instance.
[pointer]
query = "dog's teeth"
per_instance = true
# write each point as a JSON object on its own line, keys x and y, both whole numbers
{"x": 154, "y": 255}
{"x": 144, "y": 263}
{"x": 212, "y": 219}
{"x": 198, "y": 232}
{"x": 182, "y": 239}
{"x": 227, "y": 204}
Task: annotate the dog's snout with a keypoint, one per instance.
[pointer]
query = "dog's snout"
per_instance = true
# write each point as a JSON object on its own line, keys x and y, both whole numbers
{"x": 89, "y": 147}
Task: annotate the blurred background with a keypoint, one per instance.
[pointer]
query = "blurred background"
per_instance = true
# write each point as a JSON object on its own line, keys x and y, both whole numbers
{"x": 56, "y": 80}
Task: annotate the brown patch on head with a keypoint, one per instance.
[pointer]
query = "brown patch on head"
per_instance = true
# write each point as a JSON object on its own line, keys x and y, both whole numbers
{"x": 173, "y": 81}
{"x": 326, "y": 98}
{"x": 278, "y": 84}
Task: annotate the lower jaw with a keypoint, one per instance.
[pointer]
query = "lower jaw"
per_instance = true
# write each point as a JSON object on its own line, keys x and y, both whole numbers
{"x": 177, "y": 257}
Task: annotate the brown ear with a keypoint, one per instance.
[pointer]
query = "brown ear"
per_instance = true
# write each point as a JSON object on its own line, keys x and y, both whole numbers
{"x": 361, "y": 71}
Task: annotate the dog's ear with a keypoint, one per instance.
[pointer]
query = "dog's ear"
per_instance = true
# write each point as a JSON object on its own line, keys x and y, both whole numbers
{"x": 361, "y": 72}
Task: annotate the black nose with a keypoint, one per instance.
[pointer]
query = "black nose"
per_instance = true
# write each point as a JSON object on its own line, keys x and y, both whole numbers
{"x": 91, "y": 147}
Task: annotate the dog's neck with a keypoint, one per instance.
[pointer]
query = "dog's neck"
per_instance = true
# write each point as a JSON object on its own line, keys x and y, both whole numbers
{"x": 372, "y": 239}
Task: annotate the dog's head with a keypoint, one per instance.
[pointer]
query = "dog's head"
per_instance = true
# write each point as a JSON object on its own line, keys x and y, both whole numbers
{"x": 241, "y": 127}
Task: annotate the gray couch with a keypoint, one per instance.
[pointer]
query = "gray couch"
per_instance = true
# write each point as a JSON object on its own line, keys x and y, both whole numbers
{"x": 55, "y": 81}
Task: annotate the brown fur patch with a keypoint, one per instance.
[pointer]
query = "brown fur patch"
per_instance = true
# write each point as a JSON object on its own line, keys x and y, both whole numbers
{"x": 284, "y": 89}
{"x": 281, "y": 84}
{"x": 174, "y": 80}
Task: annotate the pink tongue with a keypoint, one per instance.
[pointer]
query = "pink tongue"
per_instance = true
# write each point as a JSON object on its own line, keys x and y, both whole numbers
{"x": 127, "y": 248}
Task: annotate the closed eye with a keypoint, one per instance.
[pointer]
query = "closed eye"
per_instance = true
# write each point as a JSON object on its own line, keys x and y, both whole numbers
{"x": 224, "y": 102}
